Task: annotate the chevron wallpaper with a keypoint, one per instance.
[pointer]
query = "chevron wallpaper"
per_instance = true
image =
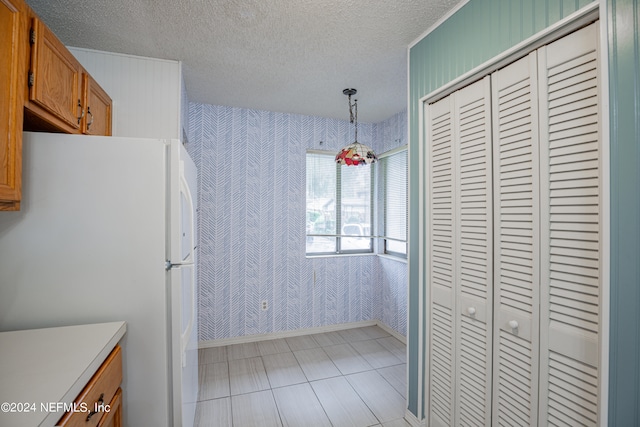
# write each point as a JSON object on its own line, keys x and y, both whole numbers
{"x": 251, "y": 224}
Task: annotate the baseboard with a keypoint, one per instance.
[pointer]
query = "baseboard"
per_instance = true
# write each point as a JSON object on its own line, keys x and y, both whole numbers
{"x": 391, "y": 332}
{"x": 413, "y": 420}
{"x": 307, "y": 331}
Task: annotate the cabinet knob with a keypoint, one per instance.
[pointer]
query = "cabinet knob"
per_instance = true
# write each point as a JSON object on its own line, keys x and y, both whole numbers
{"x": 471, "y": 311}
{"x": 513, "y": 324}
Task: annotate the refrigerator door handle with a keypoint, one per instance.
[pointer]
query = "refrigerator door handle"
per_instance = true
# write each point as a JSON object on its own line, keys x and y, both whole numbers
{"x": 168, "y": 265}
{"x": 192, "y": 318}
{"x": 184, "y": 189}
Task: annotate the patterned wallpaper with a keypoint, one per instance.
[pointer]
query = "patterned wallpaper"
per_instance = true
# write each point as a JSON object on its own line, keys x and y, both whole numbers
{"x": 251, "y": 226}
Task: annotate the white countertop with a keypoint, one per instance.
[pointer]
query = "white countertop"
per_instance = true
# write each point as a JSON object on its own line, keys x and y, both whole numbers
{"x": 41, "y": 367}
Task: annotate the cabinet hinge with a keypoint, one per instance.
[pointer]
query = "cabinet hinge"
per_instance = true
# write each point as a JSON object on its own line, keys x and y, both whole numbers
{"x": 31, "y": 79}
{"x": 32, "y": 36}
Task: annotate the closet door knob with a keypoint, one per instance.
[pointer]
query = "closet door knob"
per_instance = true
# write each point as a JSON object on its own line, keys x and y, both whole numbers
{"x": 513, "y": 324}
{"x": 471, "y": 311}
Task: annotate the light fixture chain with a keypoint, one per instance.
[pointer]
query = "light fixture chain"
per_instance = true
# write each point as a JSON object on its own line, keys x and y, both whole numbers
{"x": 353, "y": 117}
{"x": 356, "y": 107}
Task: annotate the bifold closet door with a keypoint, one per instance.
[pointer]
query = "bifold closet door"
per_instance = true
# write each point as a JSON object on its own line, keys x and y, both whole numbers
{"x": 460, "y": 253}
{"x": 516, "y": 243}
{"x": 474, "y": 245}
{"x": 441, "y": 255}
{"x": 514, "y": 230}
{"x": 571, "y": 245}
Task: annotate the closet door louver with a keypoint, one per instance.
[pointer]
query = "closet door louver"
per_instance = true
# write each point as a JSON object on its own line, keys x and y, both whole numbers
{"x": 474, "y": 236}
{"x": 516, "y": 247}
{"x": 570, "y": 145}
{"x": 441, "y": 270}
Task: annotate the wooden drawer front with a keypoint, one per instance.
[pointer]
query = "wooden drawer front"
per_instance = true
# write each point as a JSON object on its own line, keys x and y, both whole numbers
{"x": 104, "y": 384}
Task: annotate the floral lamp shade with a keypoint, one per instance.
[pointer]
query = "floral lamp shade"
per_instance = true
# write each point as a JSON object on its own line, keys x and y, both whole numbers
{"x": 356, "y": 154}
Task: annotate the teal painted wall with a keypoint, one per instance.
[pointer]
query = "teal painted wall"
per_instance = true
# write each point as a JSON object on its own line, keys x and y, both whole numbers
{"x": 481, "y": 30}
{"x": 623, "y": 17}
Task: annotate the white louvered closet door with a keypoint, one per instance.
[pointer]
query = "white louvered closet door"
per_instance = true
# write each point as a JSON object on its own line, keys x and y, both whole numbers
{"x": 516, "y": 245}
{"x": 571, "y": 229}
{"x": 474, "y": 260}
{"x": 460, "y": 250}
{"x": 441, "y": 269}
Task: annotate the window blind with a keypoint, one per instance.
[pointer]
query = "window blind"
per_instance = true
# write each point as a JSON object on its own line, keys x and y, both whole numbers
{"x": 395, "y": 203}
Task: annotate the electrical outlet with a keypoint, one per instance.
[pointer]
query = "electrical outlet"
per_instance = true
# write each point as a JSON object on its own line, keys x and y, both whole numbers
{"x": 265, "y": 305}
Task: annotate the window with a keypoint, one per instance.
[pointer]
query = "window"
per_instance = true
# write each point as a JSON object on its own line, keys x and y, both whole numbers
{"x": 339, "y": 209}
{"x": 394, "y": 170}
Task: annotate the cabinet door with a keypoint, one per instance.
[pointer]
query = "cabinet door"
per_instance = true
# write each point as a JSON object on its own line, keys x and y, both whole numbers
{"x": 516, "y": 243}
{"x": 474, "y": 249}
{"x": 440, "y": 256}
{"x": 56, "y": 80}
{"x": 571, "y": 229}
{"x": 97, "y": 119}
{"x": 13, "y": 45}
{"x": 113, "y": 418}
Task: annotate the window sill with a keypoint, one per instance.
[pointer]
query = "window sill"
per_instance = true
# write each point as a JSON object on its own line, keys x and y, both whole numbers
{"x": 339, "y": 255}
{"x": 393, "y": 258}
{"x": 385, "y": 256}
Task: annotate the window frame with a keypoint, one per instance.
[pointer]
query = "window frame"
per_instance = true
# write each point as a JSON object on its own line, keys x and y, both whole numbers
{"x": 339, "y": 251}
{"x": 383, "y": 180}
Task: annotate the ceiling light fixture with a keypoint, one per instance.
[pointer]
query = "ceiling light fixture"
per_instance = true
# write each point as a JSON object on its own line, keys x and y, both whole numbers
{"x": 355, "y": 154}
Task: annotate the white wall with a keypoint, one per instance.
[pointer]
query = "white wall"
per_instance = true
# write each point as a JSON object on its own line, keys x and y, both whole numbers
{"x": 147, "y": 93}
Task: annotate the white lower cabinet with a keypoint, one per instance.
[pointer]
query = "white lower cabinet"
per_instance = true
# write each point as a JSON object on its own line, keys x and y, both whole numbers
{"x": 513, "y": 172}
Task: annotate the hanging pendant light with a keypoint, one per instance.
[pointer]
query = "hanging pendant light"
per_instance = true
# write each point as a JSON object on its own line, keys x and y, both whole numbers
{"x": 355, "y": 154}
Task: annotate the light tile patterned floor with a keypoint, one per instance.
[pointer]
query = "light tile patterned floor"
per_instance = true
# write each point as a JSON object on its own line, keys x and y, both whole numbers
{"x": 350, "y": 378}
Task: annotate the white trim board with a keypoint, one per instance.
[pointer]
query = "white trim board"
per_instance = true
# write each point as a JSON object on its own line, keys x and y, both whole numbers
{"x": 298, "y": 332}
{"x": 413, "y": 420}
{"x": 605, "y": 162}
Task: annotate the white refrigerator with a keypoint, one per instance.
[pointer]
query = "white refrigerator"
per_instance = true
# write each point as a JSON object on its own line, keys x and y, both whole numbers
{"x": 106, "y": 233}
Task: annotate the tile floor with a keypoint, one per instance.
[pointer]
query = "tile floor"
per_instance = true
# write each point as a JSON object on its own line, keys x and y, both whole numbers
{"x": 355, "y": 377}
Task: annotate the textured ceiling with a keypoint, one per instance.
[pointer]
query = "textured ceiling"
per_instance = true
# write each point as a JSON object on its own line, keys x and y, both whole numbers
{"x": 286, "y": 56}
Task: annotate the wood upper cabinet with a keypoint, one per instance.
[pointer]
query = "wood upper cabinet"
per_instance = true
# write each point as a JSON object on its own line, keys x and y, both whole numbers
{"x": 55, "y": 81}
{"x": 42, "y": 88}
{"x": 63, "y": 97}
{"x": 97, "y": 119}
{"x": 13, "y": 66}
